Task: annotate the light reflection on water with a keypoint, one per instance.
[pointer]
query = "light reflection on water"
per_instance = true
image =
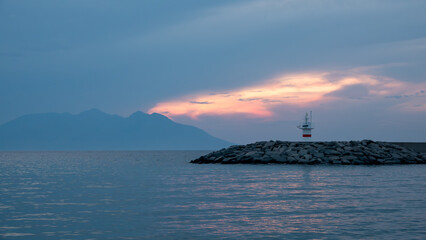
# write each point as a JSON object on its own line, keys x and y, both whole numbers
{"x": 146, "y": 195}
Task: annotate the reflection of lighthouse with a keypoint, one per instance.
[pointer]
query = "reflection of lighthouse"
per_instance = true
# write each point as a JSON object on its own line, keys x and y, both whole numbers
{"x": 307, "y": 126}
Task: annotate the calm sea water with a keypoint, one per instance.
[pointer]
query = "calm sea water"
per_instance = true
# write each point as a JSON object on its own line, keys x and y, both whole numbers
{"x": 159, "y": 195}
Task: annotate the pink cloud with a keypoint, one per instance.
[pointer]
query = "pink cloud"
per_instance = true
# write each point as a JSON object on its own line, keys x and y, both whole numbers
{"x": 299, "y": 90}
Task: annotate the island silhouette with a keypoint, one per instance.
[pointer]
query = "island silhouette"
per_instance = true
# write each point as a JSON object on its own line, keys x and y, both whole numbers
{"x": 96, "y": 130}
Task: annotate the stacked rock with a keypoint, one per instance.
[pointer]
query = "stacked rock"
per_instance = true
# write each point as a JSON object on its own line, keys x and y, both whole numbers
{"x": 364, "y": 152}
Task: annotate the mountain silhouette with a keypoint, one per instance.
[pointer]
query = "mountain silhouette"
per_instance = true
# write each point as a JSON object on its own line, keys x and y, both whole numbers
{"x": 96, "y": 130}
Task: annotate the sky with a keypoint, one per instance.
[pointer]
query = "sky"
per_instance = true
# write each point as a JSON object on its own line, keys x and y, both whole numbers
{"x": 243, "y": 71}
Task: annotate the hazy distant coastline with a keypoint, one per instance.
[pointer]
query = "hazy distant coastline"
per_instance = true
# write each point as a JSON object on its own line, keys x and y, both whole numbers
{"x": 96, "y": 130}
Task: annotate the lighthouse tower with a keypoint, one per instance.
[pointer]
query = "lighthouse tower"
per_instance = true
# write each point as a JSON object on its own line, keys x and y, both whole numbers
{"x": 306, "y": 126}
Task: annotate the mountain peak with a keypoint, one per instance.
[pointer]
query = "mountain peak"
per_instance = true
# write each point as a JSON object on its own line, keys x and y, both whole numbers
{"x": 138, "y": 114}
{"x": 96, "y": 130}
{"x": 143, "y": 115}
{"x": 157, "y": 115}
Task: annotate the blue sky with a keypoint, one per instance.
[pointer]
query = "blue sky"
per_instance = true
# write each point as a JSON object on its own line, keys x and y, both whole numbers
{"x": 201, "y": 56}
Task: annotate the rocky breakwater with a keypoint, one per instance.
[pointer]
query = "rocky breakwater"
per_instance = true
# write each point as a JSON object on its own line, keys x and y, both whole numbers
{"x": 364, "y": 152}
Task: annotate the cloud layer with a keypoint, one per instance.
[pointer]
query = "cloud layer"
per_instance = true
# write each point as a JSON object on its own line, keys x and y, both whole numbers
{"x": 211, "y": 61}
{"x": 297, "y": 90}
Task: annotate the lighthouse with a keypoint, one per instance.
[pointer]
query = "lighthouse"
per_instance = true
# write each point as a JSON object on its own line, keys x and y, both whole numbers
{"x": 306, "y": 126}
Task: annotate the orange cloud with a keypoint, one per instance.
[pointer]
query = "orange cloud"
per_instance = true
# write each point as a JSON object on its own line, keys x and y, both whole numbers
{"x": 298, "y": 90}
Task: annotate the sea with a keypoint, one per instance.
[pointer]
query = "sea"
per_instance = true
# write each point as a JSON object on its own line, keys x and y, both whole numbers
{"x": 160, "y": 195}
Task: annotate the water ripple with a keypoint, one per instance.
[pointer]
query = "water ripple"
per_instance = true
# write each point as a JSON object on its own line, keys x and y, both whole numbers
{"x": 158, "y": 195}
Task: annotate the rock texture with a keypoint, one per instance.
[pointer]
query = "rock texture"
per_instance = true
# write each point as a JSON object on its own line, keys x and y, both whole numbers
{"x": 364, "y": 152}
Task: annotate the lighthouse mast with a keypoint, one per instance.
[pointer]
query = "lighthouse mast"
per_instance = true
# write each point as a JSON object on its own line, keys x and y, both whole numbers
{"x": 306, "y": 127}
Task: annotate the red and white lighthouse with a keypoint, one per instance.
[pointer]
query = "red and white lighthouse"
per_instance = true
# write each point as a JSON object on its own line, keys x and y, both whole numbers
{"x": 306, "y": 126}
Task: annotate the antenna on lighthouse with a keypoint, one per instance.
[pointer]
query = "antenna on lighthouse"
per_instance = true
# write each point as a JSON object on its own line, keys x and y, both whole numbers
{"x": 307, "y": 126}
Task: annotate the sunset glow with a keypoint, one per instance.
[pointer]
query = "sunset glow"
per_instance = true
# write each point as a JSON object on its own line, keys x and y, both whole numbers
{"x": 297, "y": 90}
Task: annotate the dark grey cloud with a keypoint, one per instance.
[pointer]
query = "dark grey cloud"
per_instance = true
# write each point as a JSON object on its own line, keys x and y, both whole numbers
{"x": 196, "y": 102}
{"x": 420, "y": 93}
